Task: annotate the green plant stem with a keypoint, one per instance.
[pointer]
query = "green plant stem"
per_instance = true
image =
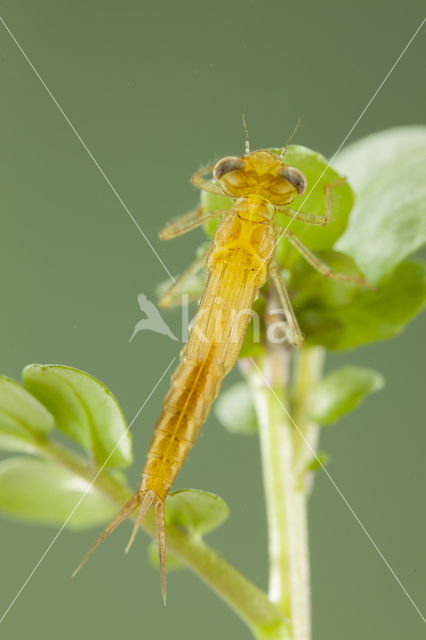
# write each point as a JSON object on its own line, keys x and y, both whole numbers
{"x": 262, "y": 616}
{"x": 284, "y": 464}
{"x": 308, "y": 370}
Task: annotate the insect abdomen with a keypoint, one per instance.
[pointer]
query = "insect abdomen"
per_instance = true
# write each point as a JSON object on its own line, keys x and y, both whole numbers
{"x": 238, "y": 267}
{"x": 185, "y": 408}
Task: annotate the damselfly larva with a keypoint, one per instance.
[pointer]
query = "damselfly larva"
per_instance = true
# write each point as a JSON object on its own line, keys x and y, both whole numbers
{"x": 239, "y": 262}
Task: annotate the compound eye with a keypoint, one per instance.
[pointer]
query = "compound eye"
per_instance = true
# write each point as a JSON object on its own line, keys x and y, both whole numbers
{"x": 295, "y": 177}
{"x": 226, "y": 165}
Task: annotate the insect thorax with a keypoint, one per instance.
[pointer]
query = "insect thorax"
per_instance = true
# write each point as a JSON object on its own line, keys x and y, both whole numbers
{"x": 246, "y": 242}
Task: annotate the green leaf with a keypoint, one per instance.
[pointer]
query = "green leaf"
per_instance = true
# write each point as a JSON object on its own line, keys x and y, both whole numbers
{"x": 318, "y": 174}
{"x": 17, "y": 442}
{"x": 388, "y": 222}
{"x": 211, "y": 202}
{"x": 341, "y": 391}
{"x": 309, "y": 287}
{"x": 20, "y": 412}
{"x": 195, "y": 510}
{"x": 318, "y": 462}
{"x": 367, "y": 316}
{"x": 235, "y": 410}
{"x": 172, "y": 562}
{"x": 41, "y": 491}
{"x": 254, "y": 338}
{"x": 84, "y": 409}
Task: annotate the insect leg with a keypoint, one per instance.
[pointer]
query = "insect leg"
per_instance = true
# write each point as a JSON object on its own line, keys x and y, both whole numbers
{"x": 310, "y": 218}
{"x": 322, "y": 266}
{"x": 188, "y": 222}
{"x": 200, "y": 182}
{"x": 294, "y": 333}
{"x": 172, "y": 297}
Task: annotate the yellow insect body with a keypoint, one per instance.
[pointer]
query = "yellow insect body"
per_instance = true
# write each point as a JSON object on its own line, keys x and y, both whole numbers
{"x": 238, "y": 265}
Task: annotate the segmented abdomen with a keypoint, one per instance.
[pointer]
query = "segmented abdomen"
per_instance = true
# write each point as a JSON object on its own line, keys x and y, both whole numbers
{"x": 185, "y": 408}
{"x": 236, "y": 271}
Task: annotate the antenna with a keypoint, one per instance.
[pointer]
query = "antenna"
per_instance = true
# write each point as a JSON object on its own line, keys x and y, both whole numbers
{"x": 284, "y": 149}
{"x": 246, "y": 144}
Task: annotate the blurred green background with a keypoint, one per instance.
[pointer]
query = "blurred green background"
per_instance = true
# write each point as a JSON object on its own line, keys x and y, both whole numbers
{"x": 156, "y": 90}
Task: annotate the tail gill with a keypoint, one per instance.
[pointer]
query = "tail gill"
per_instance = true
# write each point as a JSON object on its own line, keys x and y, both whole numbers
{"x": 143, "y": 500}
